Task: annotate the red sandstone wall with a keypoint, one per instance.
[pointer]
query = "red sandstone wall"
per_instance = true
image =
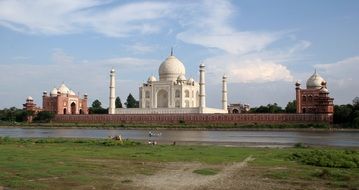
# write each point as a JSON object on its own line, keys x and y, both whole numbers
{"x": 196, "y": 118}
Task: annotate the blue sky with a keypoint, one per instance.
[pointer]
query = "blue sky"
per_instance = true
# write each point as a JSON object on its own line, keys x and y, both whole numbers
{"x": 262, "y": 46}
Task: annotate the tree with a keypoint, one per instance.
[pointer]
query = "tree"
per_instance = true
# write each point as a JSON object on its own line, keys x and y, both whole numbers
{"x": 97, "y": 108}
{"x": 96, "y": 104}
{"x": 356, "y": 103}
{"x": 44, "y": 116}
{"x": 291, "y": 107}
{"x": 131, "y": 102}
{"x": 118, "y": 103}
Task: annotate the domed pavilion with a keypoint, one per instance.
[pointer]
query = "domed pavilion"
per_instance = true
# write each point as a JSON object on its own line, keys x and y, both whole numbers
{"x": 315, "y": 98}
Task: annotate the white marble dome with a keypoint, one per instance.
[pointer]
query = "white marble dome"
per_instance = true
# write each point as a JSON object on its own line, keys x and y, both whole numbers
{"x": 151, "y": 79}
{"x": 315, "y": 81}
{"x": 171, "y": 68}
{"x": 53, "y": 92}
{"x": 63, "y": 89}
{"x": 29, "y": 98}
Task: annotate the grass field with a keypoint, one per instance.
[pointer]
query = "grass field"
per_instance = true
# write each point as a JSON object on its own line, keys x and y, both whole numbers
{"x": 108, "y": 164}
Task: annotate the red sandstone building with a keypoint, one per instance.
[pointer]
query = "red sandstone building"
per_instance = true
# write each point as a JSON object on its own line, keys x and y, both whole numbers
{"x": 62, "y": 100}
{"x": 30, "y": 106}
{"x": 314, "y": 99}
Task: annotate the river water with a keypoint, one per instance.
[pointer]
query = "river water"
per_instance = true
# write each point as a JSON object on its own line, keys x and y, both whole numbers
{"x": 230, "y": 138}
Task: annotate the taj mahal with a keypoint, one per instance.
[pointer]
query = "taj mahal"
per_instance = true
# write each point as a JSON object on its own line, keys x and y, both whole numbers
{"x": 171, "y": 93}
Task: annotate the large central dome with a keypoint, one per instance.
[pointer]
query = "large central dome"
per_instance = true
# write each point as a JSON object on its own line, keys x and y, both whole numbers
{"x": 171, "y": 68}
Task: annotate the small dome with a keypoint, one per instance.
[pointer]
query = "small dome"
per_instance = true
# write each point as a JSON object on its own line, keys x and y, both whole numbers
{"x": 181, "y": 78}
{"x": 112, "y": 70}
{"x": 63, "y": 89}
{"x": 171, "y": 68}
{"x": 53, "y": 92}
{"x": 29, "y": 98}
{"x": 151, "y": 79}
{"x": 190, "y": 80}
{"x": 315, "y": 81}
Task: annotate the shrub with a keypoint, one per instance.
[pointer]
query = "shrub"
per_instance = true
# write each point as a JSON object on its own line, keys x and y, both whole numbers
{"x": 328, "y": 158}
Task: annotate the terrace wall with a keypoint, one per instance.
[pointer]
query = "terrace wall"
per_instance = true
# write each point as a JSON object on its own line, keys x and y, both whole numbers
{"x": 196, "y": 118}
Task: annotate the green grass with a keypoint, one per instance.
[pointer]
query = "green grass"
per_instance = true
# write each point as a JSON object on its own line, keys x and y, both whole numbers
{"x": 206, "y": 171}
{"x": 58, "y": 163}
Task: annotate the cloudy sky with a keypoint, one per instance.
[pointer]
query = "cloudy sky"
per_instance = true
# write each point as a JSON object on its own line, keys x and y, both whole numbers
{"x": 262, "y": 46}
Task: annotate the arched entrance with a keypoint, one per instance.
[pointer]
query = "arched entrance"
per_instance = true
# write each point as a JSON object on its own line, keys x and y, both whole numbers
{"x": 65, "y": 111}
{"x": 235, "y": 111}
{"x": 73, "y": 108}
{"x": 81, "y": 112}
{"x": 162, "y": 99}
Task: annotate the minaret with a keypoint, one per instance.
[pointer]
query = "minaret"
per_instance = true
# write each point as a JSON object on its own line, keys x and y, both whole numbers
{"x": 111, "y": 109}
{"x": 298, "y": 97}
{"x": 202, "y": 90}
{"x": 224, "y": 93}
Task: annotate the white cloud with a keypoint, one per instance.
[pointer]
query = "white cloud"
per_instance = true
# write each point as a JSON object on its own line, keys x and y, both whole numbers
{"x": 342, "y": 78}
{"x": 68, "y": 16}
{"x": 88, "y": 76}
{"x": 211, "y": 28}
{"x": 246, "y": 70}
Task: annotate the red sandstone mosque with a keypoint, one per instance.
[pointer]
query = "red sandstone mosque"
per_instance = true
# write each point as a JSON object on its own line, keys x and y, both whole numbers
{"x": 60, "y": 101}
{"x": 314, "y": 99}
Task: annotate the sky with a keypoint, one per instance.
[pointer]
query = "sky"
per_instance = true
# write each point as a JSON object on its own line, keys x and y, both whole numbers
{"x": 262, "y": 46}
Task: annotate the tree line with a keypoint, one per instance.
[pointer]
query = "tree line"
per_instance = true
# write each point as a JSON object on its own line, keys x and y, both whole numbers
{"x": 96, "y": 107}
{"x": 346, "y": 115}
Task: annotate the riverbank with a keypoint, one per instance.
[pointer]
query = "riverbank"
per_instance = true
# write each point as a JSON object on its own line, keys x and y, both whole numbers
{"x": 57, "y": 163}
{"x": 209, "y": 127}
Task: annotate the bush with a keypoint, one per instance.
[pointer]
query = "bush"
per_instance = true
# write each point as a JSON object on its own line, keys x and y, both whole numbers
{"x": 328, "y": 158}
{"x": 44, "y": 116}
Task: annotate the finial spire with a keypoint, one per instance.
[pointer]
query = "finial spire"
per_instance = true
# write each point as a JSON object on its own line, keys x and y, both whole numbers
{"x": 315, "y": 71}
{"x": 171, "y": 51}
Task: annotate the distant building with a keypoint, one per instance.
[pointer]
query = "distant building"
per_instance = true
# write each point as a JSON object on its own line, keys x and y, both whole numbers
{"x": 238, "y": 108}
{"x": 62, "y": 100}
{"x": 314, "y": 99}
{"x": 30, "y": 106}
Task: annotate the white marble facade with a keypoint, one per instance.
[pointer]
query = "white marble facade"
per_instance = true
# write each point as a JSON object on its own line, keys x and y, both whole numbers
{"x": 172, "y": 92}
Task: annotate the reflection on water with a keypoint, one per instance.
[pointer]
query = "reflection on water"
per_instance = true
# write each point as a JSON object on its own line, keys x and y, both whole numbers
{"x": 338, "y": 138}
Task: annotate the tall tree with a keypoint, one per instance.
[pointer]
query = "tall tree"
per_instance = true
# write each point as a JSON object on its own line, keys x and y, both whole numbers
{"x": 131, "y": 102}
{"x": 118, "y": 103}
{"x": 96, "y": 104}
{"x": 291, "y": 107}
{"x": 97, "y": 108}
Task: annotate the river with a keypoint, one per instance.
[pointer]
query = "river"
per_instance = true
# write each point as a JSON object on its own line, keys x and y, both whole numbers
{"x": 227, "y": 138}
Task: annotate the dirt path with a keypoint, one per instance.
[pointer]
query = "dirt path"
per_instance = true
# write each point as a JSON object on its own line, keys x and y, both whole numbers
{"x": 180, "y": 176}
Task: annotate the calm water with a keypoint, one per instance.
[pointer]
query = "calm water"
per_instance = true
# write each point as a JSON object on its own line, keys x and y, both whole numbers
{"x": 248, "y": 138}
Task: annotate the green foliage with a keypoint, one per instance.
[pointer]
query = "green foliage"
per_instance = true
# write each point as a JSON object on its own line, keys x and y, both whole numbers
{"x": 97, "y": 108}
{"x": 291, "y": 107}
{"x": 13, "y": 114}
{"x": 328, "y": 158}
{"x": 44, "y": 116}
{"x": 270, "y": 108}
{"x": 206, "y": 171}
{"x": 96, "y": 104}
{"x": 347, "y": 115}
{"x": 131, "y": 102}
{"x": 118, "y": 103}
